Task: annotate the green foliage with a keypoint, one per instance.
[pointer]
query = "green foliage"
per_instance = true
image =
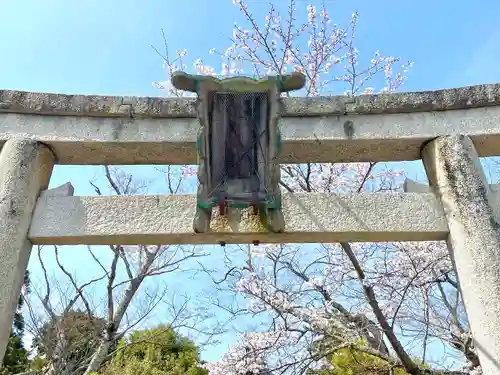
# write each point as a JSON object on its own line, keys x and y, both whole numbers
{"x": 38, "y": 363}
{"x": 157, "y": 351}
{"x": 351, "y": 361}
{"x": 76, "y": 332}
{"x": 16, "y": 356}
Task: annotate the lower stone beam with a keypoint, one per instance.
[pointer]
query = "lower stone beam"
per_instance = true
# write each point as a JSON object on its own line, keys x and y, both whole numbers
{"x": 310, "y": 218}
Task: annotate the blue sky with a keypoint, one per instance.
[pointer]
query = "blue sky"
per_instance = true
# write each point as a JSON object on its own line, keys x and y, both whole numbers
{"x": 103, "y": 47}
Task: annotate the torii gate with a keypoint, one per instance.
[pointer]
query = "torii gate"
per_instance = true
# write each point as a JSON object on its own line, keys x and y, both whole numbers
{"x": 447, "y": 129}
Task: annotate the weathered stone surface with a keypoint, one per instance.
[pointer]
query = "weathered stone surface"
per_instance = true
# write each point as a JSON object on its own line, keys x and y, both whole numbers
{"x": 439, "y": 100}
{"x": 168, "y": 220}
{"x": 473, "y": 214}
{"x": 152, "y": 107}
{"x": 59, "y": 104}
{"x": 64, "y": 190}
{"x": 25, "y": 169}
{"x": 352, "y": 138}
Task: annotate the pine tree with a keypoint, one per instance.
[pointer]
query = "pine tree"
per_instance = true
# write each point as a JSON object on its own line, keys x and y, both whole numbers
{"x": 16, "y": 356}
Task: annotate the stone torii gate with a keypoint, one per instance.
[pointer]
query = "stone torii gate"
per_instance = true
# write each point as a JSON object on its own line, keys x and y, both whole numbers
{"x": 448, "y": 129}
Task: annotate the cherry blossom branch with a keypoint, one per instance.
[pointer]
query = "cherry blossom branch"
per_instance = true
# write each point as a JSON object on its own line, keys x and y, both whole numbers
{"x": 408, "y": 363}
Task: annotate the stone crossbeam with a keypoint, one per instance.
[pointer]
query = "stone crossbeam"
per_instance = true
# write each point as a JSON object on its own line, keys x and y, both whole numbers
{"x": 410, "y": 186}
{"x": 310, "y": 218}
{"x": 95, "y": 130}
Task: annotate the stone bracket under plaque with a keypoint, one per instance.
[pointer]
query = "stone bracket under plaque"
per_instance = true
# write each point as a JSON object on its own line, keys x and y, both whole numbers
{"x": 238, "y": 143}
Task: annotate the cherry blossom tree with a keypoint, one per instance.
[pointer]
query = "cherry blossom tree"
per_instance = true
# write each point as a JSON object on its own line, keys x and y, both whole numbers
{"x": 399, "y": 302}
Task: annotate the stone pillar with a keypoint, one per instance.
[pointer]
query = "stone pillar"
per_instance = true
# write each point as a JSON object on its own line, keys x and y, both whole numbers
{"x": 25, "y": 169}
{"x": 456, "y": 175}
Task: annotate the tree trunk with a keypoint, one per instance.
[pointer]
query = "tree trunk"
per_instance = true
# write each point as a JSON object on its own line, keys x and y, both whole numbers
{"x": 99, "y": 356}
{"x": 59, "y": 365}
{"x": 102, "y": 351}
